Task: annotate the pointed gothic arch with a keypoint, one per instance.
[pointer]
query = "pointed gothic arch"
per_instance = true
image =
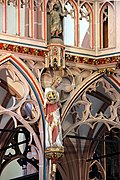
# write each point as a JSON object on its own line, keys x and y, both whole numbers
{"x": 107, "y": 25}
{"x": 95, "y": 76}
{"x": 73, "y": 13}
{"x": 90, "y": 14}
{"x": 17, "y": 120}
{"x": 83, "y": 132}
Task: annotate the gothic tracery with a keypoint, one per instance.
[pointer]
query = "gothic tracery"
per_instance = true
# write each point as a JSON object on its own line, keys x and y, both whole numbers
{"x": 81, "y": 47}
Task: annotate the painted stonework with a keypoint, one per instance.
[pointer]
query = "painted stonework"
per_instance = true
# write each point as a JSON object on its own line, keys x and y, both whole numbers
{"x": 70, "y": 128}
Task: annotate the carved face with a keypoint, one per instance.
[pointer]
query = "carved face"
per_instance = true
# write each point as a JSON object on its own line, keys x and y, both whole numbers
{"x": 57, "y": 82}
{"x": 56, "y": 7}
{"x": 52, "y": 97}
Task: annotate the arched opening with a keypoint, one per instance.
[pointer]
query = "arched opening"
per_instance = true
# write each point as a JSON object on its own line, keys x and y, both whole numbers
{"x": 69, "y": 24}
{"x": 88, "y": 151}
{"x": 107, "y": 25}
{"x": 22, "y": 18}
{"x": 86, "y": 27}
{"x": 22, "y": 119}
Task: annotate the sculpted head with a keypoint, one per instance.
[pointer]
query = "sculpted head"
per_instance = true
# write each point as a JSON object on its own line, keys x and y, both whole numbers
{"x": 56, "y": 81}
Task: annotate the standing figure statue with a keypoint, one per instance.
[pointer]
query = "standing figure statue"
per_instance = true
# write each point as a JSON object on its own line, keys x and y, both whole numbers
{"x": 52, "y": 107}
{"x": 56, "y": 20}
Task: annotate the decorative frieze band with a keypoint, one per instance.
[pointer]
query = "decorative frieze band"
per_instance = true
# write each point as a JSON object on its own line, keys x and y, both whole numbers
{"x": 92, "y": 61}
{"x": 22, "y": 49}
{"x": 68, "y": 57}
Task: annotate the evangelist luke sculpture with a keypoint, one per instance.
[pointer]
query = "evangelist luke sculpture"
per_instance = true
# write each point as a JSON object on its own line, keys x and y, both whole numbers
{"x": 52, "y": 107}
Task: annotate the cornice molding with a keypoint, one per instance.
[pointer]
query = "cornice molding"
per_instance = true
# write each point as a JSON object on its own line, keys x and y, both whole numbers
{"x": 98, "y": 61}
